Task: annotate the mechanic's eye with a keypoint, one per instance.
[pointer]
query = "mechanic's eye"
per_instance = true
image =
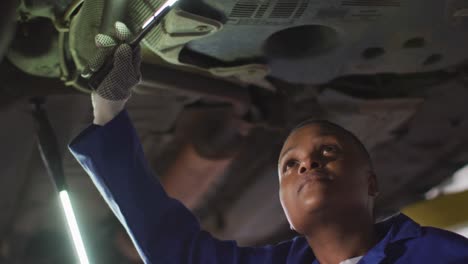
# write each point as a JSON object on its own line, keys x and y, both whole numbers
{"x": 330, "y": 150}
{"x": 290, "y": 164}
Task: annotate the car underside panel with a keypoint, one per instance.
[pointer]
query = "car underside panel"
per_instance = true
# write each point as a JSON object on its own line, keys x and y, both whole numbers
{"x": 316, "y": 41}
{"x": 308, "y": 42}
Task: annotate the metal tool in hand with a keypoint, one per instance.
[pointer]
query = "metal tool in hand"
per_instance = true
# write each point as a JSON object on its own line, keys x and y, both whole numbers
{"x": 97, "y": 78}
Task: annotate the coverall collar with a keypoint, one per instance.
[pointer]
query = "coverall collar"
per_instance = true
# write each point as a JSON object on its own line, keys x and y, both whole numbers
{"x": 397, "y": 228}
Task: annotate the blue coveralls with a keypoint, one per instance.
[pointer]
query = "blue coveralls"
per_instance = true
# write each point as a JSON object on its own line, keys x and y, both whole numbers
{"x": 165, "y": 231}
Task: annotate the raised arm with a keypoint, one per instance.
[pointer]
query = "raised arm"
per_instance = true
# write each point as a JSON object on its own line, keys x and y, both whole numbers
{"x": 162, "y": 229}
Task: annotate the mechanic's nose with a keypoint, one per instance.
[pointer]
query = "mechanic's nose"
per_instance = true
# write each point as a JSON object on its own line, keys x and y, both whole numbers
{"x": 309, "y": 165}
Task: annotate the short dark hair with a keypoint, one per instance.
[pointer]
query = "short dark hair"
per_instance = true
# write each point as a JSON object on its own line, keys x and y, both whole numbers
{"x": 326, "y": 123}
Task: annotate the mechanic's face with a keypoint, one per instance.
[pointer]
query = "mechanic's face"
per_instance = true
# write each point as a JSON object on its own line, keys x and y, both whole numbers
{"x": 323, "y": 174}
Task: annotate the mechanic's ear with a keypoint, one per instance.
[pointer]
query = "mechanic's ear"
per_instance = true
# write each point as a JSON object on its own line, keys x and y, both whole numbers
{"x": 373, "y": 188}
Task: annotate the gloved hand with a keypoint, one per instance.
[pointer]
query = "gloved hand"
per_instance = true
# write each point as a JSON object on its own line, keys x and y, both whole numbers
{"x": 114, "y": 91}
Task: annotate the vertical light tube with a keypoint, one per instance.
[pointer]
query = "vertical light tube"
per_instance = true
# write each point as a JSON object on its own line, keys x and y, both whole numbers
{"x": 73, "y": 226}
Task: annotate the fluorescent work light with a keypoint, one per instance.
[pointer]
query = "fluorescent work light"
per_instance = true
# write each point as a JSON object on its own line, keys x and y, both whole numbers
{"x": 73, "y": 226}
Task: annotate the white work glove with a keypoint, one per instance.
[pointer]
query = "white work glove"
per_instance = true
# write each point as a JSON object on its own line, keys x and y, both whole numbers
{"x": 114, "y": 91}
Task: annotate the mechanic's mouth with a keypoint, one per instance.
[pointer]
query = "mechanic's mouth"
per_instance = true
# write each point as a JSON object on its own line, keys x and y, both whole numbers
{"x": 317, "y": 176}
